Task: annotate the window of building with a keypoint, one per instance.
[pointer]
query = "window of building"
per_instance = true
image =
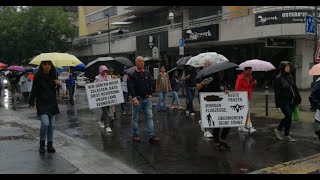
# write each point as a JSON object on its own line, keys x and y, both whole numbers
{"x": 112, "y": 11}
{"x": 196, "y": 12}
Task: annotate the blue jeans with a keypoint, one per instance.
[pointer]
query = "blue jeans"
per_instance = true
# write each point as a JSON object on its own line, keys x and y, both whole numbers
{"x": 146, "y": 106}
{"x": 71, "y": 90}
{"x": 287, "y": 110}
{"x": 175, "y": 98}
{"x": 162, "y": 103}
{"x": 46, "y": 130}
{"x": 190, "y": 91}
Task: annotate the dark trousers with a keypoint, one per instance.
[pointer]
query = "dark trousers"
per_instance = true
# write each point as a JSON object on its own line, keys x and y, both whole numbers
{"x": 107, "y": 115}
{"x": 71, "y": 93}
{"x": 224, "y": 134}
{"x": 287, "y": 110}
{"x": 190, "y": 96}
{"x": 125, "y": 96}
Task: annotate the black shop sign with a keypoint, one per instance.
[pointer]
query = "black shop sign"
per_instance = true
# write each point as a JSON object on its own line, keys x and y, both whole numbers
{"x": 282, "y": 17}
{"x": 205, "y": 33}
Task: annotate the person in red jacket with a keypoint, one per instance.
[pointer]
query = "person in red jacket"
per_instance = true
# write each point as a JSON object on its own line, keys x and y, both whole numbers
{"x": 245, "y": 82}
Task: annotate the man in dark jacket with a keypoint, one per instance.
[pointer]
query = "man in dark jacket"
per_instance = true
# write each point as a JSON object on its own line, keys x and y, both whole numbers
{"x": 286, "y": 98}
{"x": 315, "y": 101}
{"x": 140, "y": 88}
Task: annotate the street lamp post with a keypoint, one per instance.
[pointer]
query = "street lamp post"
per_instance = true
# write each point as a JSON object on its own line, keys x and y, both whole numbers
{"x": 109, "y": 34}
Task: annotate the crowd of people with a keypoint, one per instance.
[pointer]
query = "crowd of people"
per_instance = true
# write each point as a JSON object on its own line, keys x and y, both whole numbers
{"x": 41, "y": 90}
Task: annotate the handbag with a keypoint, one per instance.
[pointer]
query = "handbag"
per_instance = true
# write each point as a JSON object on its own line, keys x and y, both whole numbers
{"x": 296, "y": 114}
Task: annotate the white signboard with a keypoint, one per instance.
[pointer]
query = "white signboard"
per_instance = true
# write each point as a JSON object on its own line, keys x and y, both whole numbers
{"x": 64, "y": 76}
{"x": 106, "y": 93}
{"x": 155, "y": 73}
{"x": 223, "y": 110}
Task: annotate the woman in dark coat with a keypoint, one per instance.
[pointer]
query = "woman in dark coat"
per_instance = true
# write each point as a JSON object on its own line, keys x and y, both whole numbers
{"x": 286, "y": 97}
{"x": 44, "y": 92}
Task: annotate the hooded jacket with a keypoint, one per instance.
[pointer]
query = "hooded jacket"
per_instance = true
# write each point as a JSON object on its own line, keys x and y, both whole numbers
{"x": 243, "y": 85}
{"x": 102, "y": 76}
{"x": 285, "y": 90}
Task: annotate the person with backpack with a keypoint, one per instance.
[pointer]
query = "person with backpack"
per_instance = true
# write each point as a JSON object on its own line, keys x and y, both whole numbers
{"x": 286, "y": 98}
{"x": 314, "y": 100}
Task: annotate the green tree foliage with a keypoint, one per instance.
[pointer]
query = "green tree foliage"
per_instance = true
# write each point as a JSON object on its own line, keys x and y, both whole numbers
{"x": 28, "y": 31}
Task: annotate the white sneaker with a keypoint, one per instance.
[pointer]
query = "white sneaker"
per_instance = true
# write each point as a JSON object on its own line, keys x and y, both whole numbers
{"x": 289, "y": 138}
{"x": 187, "y": 113}
{"x": 252, "y": 130}
{"x": 108, "y": 129}
{"x": 242, "y": 129}
{"x": 192, "y": 114}
{"x": 202, "y": 129}
{"x": 207, "y": 134}
{"x": 278, "y": 134}
{"x": 101, "y": 124}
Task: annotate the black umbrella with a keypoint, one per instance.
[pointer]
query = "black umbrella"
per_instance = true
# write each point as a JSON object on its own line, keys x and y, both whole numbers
{"x": 92, "y": 68}
{"x": 124, "y": 61}
{"x": 183, "y": 60}
{"x": 215, "y": 68}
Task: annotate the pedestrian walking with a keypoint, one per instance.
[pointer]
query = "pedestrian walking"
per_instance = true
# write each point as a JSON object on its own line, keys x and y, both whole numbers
{"x": 163, "y": 86}
{"x": 124, "y": 86}
{"x": 25, "y": 86}
{"x": 175, "y": 84}
{"x": 287, "y": 97}
{"x": 14, "y": 79}
{"x": 71, "y": 84}
{"x": 190, "y": 83}
{"x": 140, "y": 88}
{"x": 110, "y": 73}
{"x": 315, "y": 102}
{"x": 44, "y": 92}
{"x": 107, "y": 113}
{"x": 245, "y": 82}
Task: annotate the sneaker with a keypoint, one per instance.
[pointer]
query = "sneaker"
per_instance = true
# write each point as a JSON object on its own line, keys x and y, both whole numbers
{"x": 252, "y": 130}
{"x": 154, "y": 139}
{"x": 318, "y": 134}
{"x": 108, "y": 129}
{"x": 171, "y": 107}
{"x": 136, "y": 139}
{"x": 180, "y": 108}
{"x": 187, "y": 113}
{"x": 225, "y": 145}
{"x": 124, "y": 113}
{"x": 192, "y": 114}
{"x": 242, "y": 129}
{"x": 207, "y": 134}
{"x": 101, "y": 124}
{"x": 278, "y": 134}
{"x": 289, "y": 138}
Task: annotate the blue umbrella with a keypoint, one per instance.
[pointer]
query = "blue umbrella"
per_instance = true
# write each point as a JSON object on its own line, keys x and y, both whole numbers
{"x": 80, "y": 67}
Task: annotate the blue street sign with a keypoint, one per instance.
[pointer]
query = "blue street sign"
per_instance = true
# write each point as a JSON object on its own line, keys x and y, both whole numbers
{"x": 181, "y": 42}
{"x": 310, "y": 29}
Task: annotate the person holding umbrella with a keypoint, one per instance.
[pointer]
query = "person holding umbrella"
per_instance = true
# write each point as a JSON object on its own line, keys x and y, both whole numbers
{"x": 25, "y": 85}
{"x": 245, "y": 82}
{"x": 190, "y": 84}
{"x": 14, "y": 79}
{"x": 286, "y": 98}
{"x": 44, "y": 92}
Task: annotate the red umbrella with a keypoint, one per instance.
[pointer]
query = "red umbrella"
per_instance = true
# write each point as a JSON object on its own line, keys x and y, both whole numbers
{"x": 2, "y": 66}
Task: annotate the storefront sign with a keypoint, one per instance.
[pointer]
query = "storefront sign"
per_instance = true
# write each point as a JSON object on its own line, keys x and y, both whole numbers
{"x": 205, "y": 33}
{"x": 106, "y": 93}
{"x": 282, "y": 17}
{"x": 280, "y": 43}
{"x": 146, "y": 43}
{"x": 223, "y": 110}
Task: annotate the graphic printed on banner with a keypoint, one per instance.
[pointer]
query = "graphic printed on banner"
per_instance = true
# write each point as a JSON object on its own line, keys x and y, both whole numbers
{"x": 106, "y": 93}
{"x": 223, "y": 110}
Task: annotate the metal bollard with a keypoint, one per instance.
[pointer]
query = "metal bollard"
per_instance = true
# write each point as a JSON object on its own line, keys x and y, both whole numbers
{"x": 267, "y": 94}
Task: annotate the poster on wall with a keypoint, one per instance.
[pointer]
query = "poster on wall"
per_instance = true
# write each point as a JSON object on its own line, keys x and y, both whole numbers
{"x": 106, "y": 93}
{"x": 223, "y": 110}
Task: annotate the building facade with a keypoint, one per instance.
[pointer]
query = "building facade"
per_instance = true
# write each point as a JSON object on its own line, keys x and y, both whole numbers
{"x": 271, "y": 33}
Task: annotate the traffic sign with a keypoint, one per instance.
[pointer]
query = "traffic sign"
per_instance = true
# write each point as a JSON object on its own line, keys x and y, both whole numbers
{"x": 181, "y": 42}
{"x": 309, "y": 21}
{"x": 155, "y": 52}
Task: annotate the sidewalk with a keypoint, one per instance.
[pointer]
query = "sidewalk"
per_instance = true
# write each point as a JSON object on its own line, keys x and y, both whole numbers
{"x": 83, "y": 158}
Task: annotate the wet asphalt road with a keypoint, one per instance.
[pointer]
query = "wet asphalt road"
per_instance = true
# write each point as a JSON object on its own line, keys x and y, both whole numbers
{"x": 182, "y": 148}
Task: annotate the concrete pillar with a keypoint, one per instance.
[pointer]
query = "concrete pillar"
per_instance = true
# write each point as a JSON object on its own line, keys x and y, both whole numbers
{"x": 303, "y": 62}
{"x": 185, "y": 18}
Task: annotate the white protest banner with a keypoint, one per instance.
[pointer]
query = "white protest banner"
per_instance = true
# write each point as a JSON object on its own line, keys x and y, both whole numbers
{"x": 64, "y": 76}
{"x": 106, "y": 93}
{"x": 223, "y": 110}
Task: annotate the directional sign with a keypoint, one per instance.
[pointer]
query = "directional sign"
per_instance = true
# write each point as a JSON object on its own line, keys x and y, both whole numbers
{"x": 181, "y": 42}
{"x": 181, "y": 50}
{"x": 309, "y": 20}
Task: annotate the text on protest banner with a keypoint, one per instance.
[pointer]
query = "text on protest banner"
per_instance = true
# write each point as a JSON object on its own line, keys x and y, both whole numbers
{"x": 223, "y": 110}
{"x": 106, "y": 93}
